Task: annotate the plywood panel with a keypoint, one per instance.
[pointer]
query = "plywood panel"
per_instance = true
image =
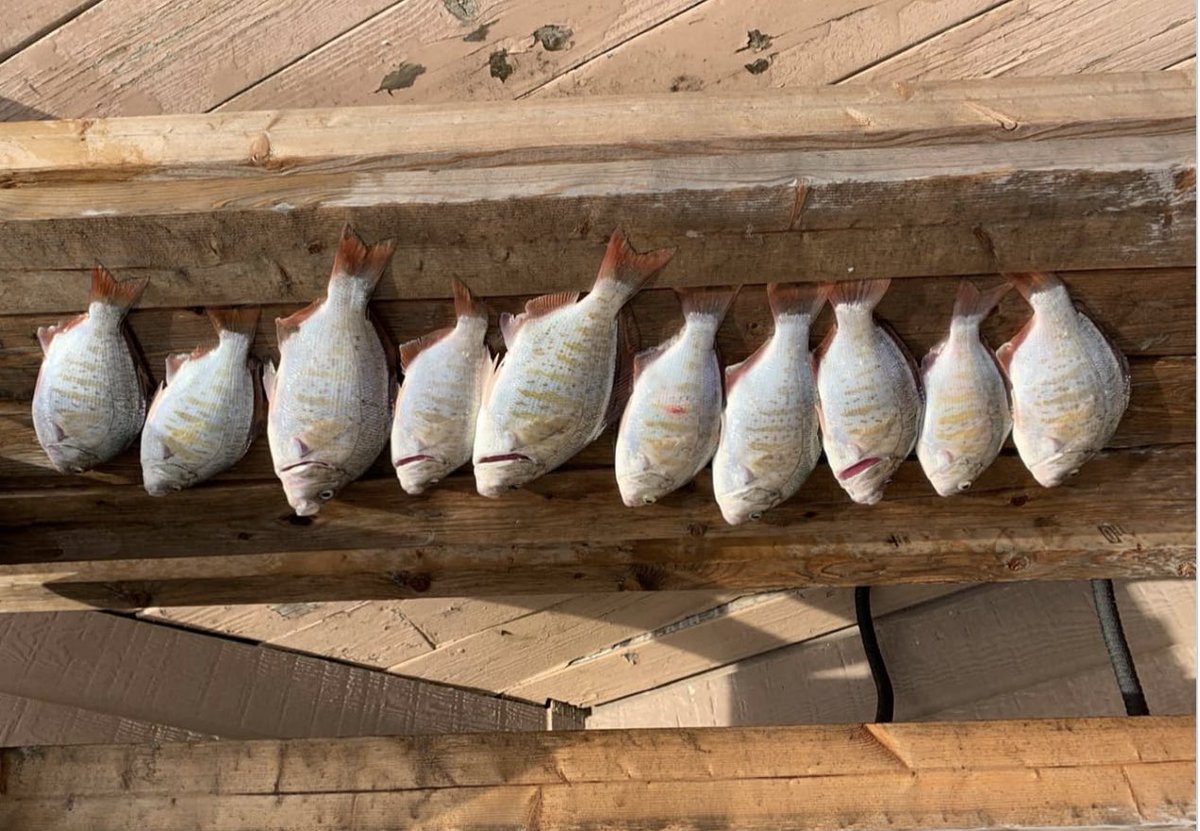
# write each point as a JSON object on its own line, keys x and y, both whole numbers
{"x": 31, "y": 722}
{"x": 27, "y": 20}
{"x": 995, "y": 651}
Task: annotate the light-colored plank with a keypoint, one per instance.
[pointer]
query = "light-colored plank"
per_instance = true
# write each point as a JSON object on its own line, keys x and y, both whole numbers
{"x": 135, "y": 669}
{"x": 503, "y": 656}
{"x": 139, "y": 57}
{"x": 445, "y": 620}
{"x": 258, "y": 621}
{"x": 1050, "y": 37}
{"x": 374, "y": 634}
{"x": 350, "y": 70}
{"x": 707, "y": 48}
{"x": 1128, "y": 773}
{"x": 978, "y": 649}
{"x": 29, "y": 722}
{"x": 27, "y": 20}
{"x": 732, "y": 632}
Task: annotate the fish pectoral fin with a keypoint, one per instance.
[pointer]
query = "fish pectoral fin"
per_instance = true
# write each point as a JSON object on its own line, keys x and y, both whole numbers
{"x": 59, "y": 433}
{"x": 268, "y": 380}
{"x": 301, "y": 447}
{"x": 509, "y": 326}
{"x": 945, "y": 458}
{"x": 548, "y": 303}
{"x": 285, "y": 327}
{"x": 410, "y": 350}
{"x": 1050, "y": 446}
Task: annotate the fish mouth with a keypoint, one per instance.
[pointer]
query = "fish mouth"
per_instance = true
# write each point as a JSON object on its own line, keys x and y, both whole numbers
{"x": 408, "y": 460}
{"x": 304, "y": 463}
{"x": 861, "y": 466}
{"x": 504, "y": 457}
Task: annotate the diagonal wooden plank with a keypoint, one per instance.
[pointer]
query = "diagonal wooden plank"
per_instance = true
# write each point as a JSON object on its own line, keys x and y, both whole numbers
{"x": 455, "y": 53}
{"x": 25, "y": 21}
{"x": 137, "y": 57}
{"x": 1053, "y": 37}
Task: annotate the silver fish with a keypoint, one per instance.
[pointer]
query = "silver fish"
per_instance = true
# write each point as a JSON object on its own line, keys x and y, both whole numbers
{"x": 205, "y": 413}
{"x": 966, "y": 400}
{"x": 552, "y": 393}
{"x": 672, "y": 423}
{"x": 769, "y": 435}
{"x": 1070, "y": 385}
{"x": 330, "y": 399}
{"x": 90, "y": 398}
{"x": 444, "y": 374}
{"x": 870, "y": 397}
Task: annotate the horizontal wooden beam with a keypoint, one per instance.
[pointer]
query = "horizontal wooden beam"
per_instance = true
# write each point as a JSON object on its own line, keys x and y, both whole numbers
{"x": 1129, "y": 513}
{"x": 1064, "y": 174}
{"x": 1089, "y": 773}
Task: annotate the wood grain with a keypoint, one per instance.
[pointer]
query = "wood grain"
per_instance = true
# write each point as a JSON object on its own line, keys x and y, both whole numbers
{"x": 1078, "y": 773}
{"x": 137, "y": 57}
{"x": 71, "y": 548}
{"x": 27, "y": 20}
{"x": 269, "y": 144}
{"x": 29, "y": 722}
{"x": 148, "y": 672}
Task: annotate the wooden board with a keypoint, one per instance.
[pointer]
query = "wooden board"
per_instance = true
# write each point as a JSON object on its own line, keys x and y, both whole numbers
{"x": 1071, "y": 774}
{"x": 29, "y": 722}
{"x": 375, "y": 544}
{"x": 26, "y": 21}
{"x": 162, "y": 675}
{"x": 985, "y": 652}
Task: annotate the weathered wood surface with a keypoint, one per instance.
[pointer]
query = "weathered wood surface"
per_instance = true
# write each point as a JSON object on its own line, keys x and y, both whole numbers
{"x": 163, "y": 675}
{"x": 1128, "y": 513}
{"x": 811, "y": 215}
{"x": 1065, "y": 773}
{"x": 24, "y": 22}
{"x": 268, "y": 143}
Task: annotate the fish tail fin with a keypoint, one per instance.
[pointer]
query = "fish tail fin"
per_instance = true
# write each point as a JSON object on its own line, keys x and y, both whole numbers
{"x": 1029, "y": 283}
{"x": 106, "y": 289}
{"x": 465, "y": 303}
{"x": 973, "y": 305}
{"x": 626, "y": 268}
{"x": 796, "y": 298}
{"x": 861, "y": 294}
{"x": 358, "y": 261}
{"x": 710, "y": 301}
{"x": 241, "y": 320}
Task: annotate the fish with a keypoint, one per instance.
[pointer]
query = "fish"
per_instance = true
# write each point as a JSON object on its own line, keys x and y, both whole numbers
{"x": 90, "y": 399}
{"x": 1070, "y": 385}
{"x": 329, "y": 401}
{"x": 433, "y": 431}
{"x": 967, "y": 414}
{"x": 672, "y": 423}
{"x": 770, "y": 440}
{"x": 560, "y": 382}
{"x": 209, "y": 409}
{"x": 870, "y": 397}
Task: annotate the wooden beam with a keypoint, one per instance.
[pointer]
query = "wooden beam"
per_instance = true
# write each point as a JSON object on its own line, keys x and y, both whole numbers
{"x": 148, "y": 672}
{"x": 1128, "y": 514}
{"x": 1090, "y": 773}
{"x": 1063, "y": 174}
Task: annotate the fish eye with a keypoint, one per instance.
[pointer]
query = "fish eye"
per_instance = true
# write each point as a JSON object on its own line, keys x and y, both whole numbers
{"x": 962, "y": 486}
{"x": 647, "y": 500}
{"x": 756, "y": 515}
{"x": 1074, "y": 472}
{"x": 326, "y": 494}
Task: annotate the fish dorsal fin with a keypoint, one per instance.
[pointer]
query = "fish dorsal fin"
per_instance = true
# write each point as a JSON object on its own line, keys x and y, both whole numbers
{"x": 174, "y": 364}
{"x": 268, "y": 380}
{"x": 285, "y": 327}
{"x": 648, "y": 356}
{"x": 931, "y": 356}
{"x": 1005, "y": 353}
{"x": 509, "y": 326}
{"x": 548, "y": 303}
{"x": 47, "y": 334}
{"x": 735, "y": 372}
{"x": 410, "y": 350}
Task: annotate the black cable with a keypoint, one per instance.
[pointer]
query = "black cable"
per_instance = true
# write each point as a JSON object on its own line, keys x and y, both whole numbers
{"x": 1118, "y": 648}
{"x": 884, "y": 699}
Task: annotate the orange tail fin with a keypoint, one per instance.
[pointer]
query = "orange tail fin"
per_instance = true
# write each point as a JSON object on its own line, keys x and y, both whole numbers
{"x": 356, "y": 260}
{"x": 796, "y": 298}
{"x": 974, "y": 305}
{"x": 710, "y": 301}
{"x": 105, "y": 289}
{"x": 861, "y": 294}
{"x": 465, "y": 303}
{"x": 243, "y": 320}
{"x": 1031, "y": 282}
{"x": 627, "y": 267}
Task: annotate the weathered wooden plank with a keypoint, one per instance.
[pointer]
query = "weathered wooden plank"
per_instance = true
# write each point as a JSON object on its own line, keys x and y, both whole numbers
{"x": 268, "y": 144}
{"x": 153, "y": 673}
{"x": 988, "y": 652}
{"x": 1080, "y": 773}
{"x": 724, "y": 634}
{"x": 1105, "y": 203}
{"x": 68, "y": 547}
{"x": 493, "y": 659}
{"x": 27, "y": 20}
{"x": 1146, "y": 311}
{"x": 454, "y": 52}
{"x": 1049, "y": 37}
{"x": 137, "y": 57}
{"x": 29, "y": 722}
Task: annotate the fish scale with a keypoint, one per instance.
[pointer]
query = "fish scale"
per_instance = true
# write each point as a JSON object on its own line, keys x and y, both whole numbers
{"x": 90, "y": 399}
